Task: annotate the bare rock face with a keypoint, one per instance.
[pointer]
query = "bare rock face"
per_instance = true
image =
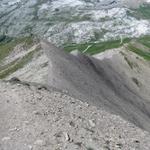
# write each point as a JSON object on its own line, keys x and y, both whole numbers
{"x": 108, "y": 80}
{"x": 34, "y": 118}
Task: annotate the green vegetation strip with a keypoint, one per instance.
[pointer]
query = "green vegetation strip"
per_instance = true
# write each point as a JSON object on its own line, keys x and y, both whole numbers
{"x": 95, "y": 48}
{"x": 7, "y": 46}
{"x": 144, "y": 40}
{"x": 17, "y": 64}
{"x": 145, "y": 55}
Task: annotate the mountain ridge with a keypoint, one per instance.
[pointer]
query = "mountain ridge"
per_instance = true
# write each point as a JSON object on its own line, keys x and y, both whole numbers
{"x": 65, "y": 122}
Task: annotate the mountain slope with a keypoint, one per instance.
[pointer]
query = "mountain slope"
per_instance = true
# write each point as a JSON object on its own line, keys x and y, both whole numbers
{"x": 116, "y": 79}
{"x": 23, "y": 58}
{"x": 91, "y": 91}
{"x": 33, "y": 118}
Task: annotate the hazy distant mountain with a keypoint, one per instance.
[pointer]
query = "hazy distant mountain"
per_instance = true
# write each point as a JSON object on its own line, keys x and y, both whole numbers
{"x": 67, "y": 21}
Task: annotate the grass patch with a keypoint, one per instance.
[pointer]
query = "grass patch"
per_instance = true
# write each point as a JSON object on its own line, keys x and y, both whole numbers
{"x": 14, "y": 66}
{"x": 138, "y": 51}
{"x": 7, "y": 46}
{"x": 102, "y": 46}
{"x": 145, "y": 40}
{"x": 96, "y": 47}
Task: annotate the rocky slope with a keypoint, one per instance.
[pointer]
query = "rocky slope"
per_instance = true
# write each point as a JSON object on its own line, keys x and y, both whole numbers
{"x": 42, "y": 115}
{"x": 117, "y": 79}
{"x": 36, "y": 118}
{"x": 23, "y": 58}
{"x": 94, "y": 94}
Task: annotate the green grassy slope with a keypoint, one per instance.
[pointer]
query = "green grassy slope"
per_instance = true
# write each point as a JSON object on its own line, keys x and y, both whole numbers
{"x": 6, "y": 46}
{"x": 14, "y": 66}
{"x": 95, "y": 48}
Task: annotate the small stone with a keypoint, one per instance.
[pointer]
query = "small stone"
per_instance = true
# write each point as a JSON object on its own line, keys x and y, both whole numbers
{"x": 14, "y": 129}
{"x": 72, "y": 101}
{"x": 87, "y": 104}
{"x": 15, "y": 80}
{"x": 79, "y": 144}
{"x": 65, "y": 91}
{"x": 26, "y": 122}
{"x": 36, "y": 113}
{"x": 72, "y": 124}
{"x": 30, "y": 147}
{"x": 39, "y": 143}
{"x": 92, "y": 124}
{"x": 5, "y": 139}
{"x": 67, "y": 137}
{"x": 136, "y": 141}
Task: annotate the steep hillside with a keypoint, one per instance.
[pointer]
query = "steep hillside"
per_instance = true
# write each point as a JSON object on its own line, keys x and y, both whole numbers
{"x": 118, "y": 79}
{"x": 33, "y": 118}
{"x": 114, "y": 76}
{"x": 23, "y": 58}
{"x": 74, "y": 74}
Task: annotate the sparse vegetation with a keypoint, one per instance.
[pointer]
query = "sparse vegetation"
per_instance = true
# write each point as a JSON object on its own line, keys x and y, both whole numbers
{"x": 145, "y": 40}
{"x": 96, "y": 47}
{"x": 14, "y": 66}
{"x": 7, "y": 47}
{"x": 145, "y": 55}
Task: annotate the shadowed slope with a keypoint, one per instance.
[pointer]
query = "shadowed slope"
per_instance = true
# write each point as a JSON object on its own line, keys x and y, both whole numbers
{"x": 108, "y": 81}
